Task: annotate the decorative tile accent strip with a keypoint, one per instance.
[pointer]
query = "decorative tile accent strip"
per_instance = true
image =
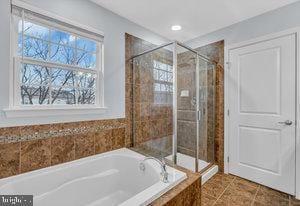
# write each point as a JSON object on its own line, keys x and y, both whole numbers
{"x": 58, "y": 133}
{"x": 28, "y": 148}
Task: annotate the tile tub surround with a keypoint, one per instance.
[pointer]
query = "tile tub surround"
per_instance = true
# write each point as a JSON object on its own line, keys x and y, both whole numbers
{"x": 186, "y": 193}
{"x": 230, "y": 190}
{"x": 27, "y": 148}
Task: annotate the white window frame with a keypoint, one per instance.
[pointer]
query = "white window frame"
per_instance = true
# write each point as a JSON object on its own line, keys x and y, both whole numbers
{"x": 16, "y": 109}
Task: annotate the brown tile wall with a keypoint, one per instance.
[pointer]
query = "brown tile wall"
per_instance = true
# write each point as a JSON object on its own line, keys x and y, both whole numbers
{"x": 27, "y": 148}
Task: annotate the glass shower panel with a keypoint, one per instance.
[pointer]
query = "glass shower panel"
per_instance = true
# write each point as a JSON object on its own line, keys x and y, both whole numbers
{"x": 153, "y": 102}
{"x": 208, "y": 103}
{"x": 207, "y": 114}
{"x": 187, "y": 108}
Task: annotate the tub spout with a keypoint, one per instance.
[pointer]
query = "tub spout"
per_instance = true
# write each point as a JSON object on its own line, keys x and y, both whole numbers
{"x": 164, "y": 173}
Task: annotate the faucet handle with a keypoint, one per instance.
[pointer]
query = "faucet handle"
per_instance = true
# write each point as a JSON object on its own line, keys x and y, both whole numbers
{"x": 164, "y": 164}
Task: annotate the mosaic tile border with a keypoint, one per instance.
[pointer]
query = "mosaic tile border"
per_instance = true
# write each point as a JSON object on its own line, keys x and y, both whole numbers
{"x": 5, "y": 139}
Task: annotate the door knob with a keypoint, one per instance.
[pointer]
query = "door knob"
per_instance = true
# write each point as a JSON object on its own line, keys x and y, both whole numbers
{"x": 287, "y": 122}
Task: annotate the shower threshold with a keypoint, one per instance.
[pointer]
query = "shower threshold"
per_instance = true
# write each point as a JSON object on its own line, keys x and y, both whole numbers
{"x": 188, "y": 162}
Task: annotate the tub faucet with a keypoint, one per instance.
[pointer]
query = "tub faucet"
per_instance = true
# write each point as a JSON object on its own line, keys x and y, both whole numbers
{"x": 164, "y": 173}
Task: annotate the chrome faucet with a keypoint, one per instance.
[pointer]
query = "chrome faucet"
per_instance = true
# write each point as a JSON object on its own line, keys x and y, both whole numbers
{"x": 164, "y": 174}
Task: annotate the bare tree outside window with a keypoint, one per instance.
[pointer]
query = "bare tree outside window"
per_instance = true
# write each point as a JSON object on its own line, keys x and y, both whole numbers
{"x": 61, "y": 85}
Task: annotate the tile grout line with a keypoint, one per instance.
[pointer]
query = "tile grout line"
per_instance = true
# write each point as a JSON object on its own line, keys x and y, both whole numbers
{"x": 255, "y": 195}
{"x": 208, "y": 195}
{"x": 224, "y": 190}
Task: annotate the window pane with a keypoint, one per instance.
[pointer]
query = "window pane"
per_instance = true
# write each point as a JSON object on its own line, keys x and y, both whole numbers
{"x": 60, "y": 37}
{"x": 169, "y": 98}
{"x": 34, "y": 75}
{"x": 85, "y": 59}
{"x": 158, "y": 98}
{"x": 63, "y": 78}
{"x": 86, "y": 80}
{"x": 58, "y": 85}
{"x": 62, "y": 54}
{"x": 87, "y": 45}
{"x": 36, "y": 30}
{"x": 170, "y": 77}
{"x": 157, "y": 87}
{"x": 155, "y": 74}
{"x": 163, "y": 87}
{"x": 63, "y": 96}
{"x": 34, "y": 95}
{"x": 35, "y": 48}
{"x": 170, "y": 88}
{"x": 86, "y": 96}
{"x": 155, "y": 64}
{"x": 20, "y": 44}
{"x": 162, "y": 76}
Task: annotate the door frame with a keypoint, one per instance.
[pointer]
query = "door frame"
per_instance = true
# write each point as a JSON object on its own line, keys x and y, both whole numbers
{"x": 227, "y": 49}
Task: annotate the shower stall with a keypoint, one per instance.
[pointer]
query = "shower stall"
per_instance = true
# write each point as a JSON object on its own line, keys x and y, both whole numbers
{"x": 173, "y": 105}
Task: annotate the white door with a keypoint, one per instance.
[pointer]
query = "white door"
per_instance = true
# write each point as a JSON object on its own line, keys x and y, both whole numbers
{"x": 262, "y": 112}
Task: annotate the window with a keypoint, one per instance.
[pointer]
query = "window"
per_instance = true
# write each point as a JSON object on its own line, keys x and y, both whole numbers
{"x": 55, "y": 64}
{"x": 163, "y": 82}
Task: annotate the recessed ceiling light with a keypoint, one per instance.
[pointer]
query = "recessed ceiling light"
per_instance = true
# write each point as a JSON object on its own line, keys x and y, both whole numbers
{"x": 176, "y": 27}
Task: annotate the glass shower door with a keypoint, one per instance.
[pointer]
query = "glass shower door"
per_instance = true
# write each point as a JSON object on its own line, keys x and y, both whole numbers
{"x": 152, "y": 103}
{"x": 187, "y": 108}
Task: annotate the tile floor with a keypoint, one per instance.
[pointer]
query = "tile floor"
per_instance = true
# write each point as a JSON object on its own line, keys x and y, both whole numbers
{"x": 228, "y": 190}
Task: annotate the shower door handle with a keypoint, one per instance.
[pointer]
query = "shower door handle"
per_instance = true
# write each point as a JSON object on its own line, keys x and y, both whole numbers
{"x": 287, "y": 122}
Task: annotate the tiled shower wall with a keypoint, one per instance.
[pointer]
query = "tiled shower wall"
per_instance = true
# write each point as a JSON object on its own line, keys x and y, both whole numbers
{"x": 151, "y": 122}
{"x": 28, "y": 148}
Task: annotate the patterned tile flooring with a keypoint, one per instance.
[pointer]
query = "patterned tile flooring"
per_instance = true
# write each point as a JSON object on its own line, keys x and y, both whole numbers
{"x": 229, "y": 190}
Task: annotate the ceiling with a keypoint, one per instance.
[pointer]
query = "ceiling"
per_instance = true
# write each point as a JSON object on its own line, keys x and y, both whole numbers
{"x": 197, "y": 17}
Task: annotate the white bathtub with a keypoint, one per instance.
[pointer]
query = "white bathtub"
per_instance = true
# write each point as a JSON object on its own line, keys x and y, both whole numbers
{"x": 111, "y": 178}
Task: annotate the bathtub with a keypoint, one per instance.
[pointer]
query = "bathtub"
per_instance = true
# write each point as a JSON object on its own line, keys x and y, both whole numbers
{"x": 111, "y": 178}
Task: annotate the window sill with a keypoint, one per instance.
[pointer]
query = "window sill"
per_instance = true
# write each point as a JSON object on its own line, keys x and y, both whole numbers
{"x": 50, "y": 111}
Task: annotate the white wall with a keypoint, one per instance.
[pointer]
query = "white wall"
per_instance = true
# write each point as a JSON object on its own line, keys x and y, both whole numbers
{"x": 88, "y": 13}
{"x": 270, "y": 22}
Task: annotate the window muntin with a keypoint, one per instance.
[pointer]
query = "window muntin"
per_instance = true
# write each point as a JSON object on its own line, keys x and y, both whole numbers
{"x": 163, "y": 82}
{"x": 54, "y": 66}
